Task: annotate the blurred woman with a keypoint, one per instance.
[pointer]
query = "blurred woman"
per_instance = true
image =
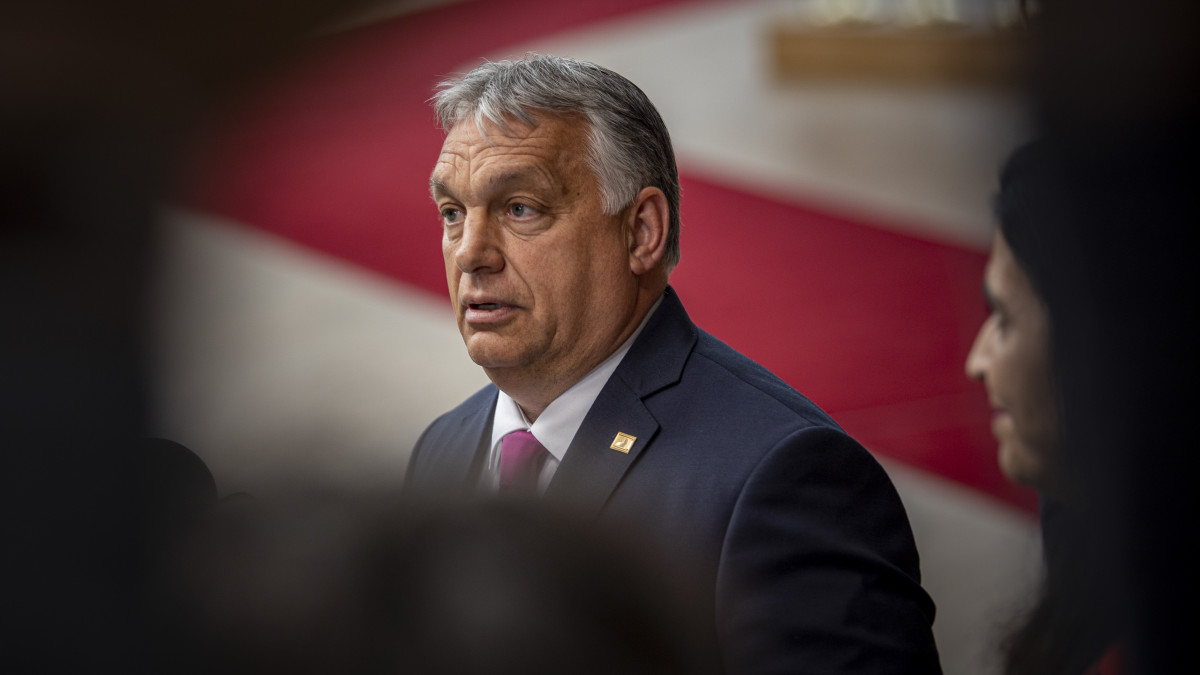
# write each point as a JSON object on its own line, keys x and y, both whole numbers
{"x": 1028, "y": 283}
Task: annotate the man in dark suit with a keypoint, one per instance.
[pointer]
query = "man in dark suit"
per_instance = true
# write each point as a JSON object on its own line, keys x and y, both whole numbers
{"x": 559, "y": 196}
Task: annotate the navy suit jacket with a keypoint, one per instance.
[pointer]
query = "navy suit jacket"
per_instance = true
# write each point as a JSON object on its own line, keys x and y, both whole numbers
{"x": 795, "y": 532}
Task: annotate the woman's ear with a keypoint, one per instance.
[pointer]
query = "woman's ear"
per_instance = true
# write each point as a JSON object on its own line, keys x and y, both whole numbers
{"x": 648, "y": 224}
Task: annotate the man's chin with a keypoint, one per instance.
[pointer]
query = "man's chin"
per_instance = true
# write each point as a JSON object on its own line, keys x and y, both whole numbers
{"x": 493, "y": 359}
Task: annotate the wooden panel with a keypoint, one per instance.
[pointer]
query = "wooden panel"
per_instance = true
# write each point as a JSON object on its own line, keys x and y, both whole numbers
{"x": 950, "y": 54}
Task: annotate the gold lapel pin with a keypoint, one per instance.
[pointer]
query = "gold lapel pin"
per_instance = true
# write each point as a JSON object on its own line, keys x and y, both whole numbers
{"x": 623, "y": 442}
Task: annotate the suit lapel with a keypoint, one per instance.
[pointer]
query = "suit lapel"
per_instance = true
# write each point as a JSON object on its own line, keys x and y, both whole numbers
{"x": 462, "y": 449}
{"x": 477, "y": 428}
{"x": 592, "y": 469}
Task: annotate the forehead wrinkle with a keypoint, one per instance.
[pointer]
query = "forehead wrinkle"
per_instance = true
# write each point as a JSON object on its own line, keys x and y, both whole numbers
{"x": 493, "y": 172}
{"x": 443, "y": 172}
{"x": 539, "y": 157}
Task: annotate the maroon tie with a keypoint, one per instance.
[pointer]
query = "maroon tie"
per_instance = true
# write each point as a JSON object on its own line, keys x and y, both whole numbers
{"x": 521, "y": 460}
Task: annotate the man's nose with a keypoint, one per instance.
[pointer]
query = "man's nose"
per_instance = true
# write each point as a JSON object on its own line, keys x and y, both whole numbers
{"x": 478, "y": 248}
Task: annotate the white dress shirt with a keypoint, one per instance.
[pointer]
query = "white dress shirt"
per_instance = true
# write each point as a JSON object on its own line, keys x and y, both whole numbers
{"x": 556, "y": 426}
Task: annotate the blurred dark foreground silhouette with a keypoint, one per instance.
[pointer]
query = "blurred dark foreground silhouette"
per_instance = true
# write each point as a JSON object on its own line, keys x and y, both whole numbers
{"x": 323, "y": 586}
{"x": 96, "y": 101}
{"x": 1114, "y": 191}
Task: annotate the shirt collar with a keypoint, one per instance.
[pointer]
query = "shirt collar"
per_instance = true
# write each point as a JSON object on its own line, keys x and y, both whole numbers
{"x": 558, "y": 423}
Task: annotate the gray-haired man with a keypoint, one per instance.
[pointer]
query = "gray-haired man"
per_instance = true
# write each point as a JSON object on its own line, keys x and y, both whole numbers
{"x": 559, "y": 197}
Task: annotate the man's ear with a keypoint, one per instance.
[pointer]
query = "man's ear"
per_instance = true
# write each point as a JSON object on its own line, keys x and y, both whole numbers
{"x": 648, "y": 222}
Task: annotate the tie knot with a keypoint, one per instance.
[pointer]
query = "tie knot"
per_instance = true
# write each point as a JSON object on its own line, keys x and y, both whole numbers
{"x": 521, "y": 460}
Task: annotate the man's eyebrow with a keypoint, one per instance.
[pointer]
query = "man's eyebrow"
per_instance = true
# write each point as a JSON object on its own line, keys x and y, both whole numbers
{"x": 496, "y": 183}
{"x": 437, "y": 188}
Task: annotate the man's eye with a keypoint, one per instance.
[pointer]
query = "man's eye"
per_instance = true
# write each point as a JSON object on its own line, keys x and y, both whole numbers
{"x": 451, "y": 216}
{"x": 521, "y": 210}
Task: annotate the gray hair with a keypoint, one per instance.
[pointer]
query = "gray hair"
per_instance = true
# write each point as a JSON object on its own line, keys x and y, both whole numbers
{"x": 628, "y": 144}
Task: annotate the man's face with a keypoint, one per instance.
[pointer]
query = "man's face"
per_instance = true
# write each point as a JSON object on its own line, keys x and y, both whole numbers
{"x": 1011, "y": 355}
{"x": 539, "y": 276}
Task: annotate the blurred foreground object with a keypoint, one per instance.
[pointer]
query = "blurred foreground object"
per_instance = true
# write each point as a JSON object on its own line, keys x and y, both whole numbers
{"x": 96, "y": 100}
{"x": 1116, "y": 85}
{"x": 323, "y": 586}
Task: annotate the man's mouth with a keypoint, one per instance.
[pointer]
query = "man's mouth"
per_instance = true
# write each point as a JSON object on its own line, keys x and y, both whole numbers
{"x": 481, "y": 314}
